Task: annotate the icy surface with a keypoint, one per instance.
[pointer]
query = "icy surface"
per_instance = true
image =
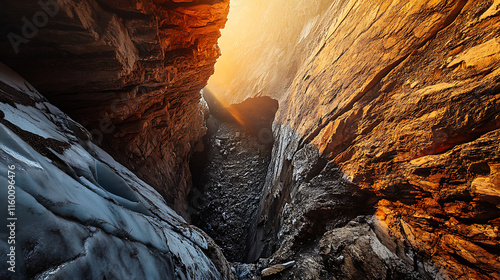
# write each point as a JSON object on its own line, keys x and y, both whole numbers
{"x": 32, "y": 120}
{"x": 13, "y": 79}
{"x": 81, "y": 215}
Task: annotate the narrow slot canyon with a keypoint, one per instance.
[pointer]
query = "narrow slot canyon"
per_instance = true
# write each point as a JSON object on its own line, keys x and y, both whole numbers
{"x": 250, "y": 139}
{"x": 229, "y": 175}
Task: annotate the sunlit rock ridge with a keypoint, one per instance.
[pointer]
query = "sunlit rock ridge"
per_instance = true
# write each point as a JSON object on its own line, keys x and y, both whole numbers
{"x": 403, "y": 97}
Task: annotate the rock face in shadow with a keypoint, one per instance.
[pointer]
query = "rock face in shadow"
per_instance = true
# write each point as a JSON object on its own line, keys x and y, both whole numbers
{"x": 404, "y": 98}
{"x": 130, "y": 71}
{"x": 79, "y": 214}
{"x": 228, "y": 176}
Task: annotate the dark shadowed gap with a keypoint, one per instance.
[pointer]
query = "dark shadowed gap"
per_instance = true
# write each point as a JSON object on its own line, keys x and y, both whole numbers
{"x": 228, "y": 176}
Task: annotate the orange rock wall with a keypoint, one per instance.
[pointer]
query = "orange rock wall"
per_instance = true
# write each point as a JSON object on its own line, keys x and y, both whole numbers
{"x": 404, "y": 96}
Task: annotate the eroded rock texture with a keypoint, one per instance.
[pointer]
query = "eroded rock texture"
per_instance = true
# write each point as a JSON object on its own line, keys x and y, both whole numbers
{"x": 228, "y": 176}
{"x": 79, "y": 213}
{"x": 404, "y": 97}
{"x": 130, "y": 71}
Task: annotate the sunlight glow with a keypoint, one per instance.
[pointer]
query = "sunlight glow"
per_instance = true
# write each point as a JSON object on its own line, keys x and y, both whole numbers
{"x": 262, "y": 46}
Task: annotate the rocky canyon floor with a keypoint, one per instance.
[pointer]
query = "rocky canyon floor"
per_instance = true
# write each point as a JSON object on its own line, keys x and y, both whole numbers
{"x": 228, "y": 177}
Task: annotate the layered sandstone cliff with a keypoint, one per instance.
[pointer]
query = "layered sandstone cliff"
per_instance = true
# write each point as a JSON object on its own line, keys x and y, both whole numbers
{"x": 130, "y": 71}
{"x": 402, "y": 98}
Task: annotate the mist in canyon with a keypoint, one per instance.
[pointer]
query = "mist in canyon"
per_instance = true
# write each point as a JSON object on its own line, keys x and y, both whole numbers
{"x": 263, "y": 45}
{"x": 337, "y": 139}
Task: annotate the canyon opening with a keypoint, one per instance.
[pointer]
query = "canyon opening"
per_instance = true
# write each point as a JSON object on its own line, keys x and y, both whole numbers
{"x": 233, "y": 139}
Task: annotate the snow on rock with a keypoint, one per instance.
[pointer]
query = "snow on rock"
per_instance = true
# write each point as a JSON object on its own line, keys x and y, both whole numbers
{"x": 80, "y": 214}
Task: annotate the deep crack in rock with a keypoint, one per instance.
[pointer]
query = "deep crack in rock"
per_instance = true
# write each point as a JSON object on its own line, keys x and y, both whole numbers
{"x": 230, "y": 174}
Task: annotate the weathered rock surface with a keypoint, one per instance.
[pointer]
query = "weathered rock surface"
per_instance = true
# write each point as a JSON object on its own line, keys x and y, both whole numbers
{"x": 404, "y": 98}
{"x": 277, "y": 268}
{"x": 80, "y": 214}
{"x": 130, "y": 71}
{"x": 228, "y": 176}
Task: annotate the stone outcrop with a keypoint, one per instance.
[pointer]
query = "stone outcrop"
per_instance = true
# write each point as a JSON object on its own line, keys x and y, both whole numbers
{"x": 76, "y": 213}
{"x": 404, "y": 98}
{"x": 129, "y": 71}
